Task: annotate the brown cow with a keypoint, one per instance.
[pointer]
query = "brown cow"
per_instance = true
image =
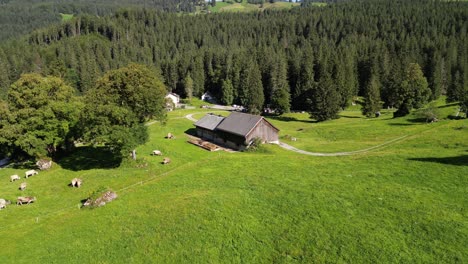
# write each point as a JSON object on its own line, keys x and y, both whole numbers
{"x": 26, "y": 200}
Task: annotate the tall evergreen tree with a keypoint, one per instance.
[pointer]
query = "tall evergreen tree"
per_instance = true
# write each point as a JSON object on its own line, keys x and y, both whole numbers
{"x": 324, "y": 100}
{"x": 279, "y": 87}
{"x": 188, "y": 86}
{"x": 372, "y": 102}
{"x": 227, "y": 92}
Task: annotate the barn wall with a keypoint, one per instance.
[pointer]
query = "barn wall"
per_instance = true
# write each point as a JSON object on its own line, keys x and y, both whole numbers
{"x": 205, "y": 133}
{"x": 264, "y": 131}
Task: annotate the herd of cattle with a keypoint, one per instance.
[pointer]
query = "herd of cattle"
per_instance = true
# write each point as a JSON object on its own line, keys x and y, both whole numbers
{"x": 76, "y": 182}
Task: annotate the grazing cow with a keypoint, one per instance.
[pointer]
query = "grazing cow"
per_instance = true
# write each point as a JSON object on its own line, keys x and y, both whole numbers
{"x": 23, "y": 186}
{"x": 76, "y": 182}
{"x": 31, "y": 173}
{"x": 26, "y": 200}
{"x": 14, "y": 178}
{"x": 166, "y": 161}
{"x": 156, "y": 153}
{"x": 4, "y": 203}
{"x": 170, "y": 136}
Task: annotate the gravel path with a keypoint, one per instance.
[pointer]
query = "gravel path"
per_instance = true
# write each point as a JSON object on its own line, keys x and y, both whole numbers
{"x": 289, "y": 147}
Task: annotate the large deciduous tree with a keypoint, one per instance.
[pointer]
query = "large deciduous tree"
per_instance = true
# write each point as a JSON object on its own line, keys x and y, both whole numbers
{"x": 118, "y": 106}
{"x": 38, "y": 115}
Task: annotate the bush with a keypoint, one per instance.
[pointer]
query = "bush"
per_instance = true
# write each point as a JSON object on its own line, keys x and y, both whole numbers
{"x": 255, "y": 145}
{"x": 431, "y": 113}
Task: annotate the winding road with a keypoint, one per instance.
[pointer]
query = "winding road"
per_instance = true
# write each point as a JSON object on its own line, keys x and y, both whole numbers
{"x": 320, "y": 154}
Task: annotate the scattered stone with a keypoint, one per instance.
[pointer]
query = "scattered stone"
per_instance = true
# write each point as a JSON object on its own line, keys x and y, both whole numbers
{"x": 44, "y": 164}
{"x": 101, "y": 200}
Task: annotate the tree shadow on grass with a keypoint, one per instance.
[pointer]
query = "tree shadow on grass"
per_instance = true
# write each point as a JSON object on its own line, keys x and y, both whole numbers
{"x": 350, "y": 116}
{"x": 400, "y": 124}
{"x": 87, "y": 158}
{"x": 458, "y": 160}
{"x": 291, "y": 119}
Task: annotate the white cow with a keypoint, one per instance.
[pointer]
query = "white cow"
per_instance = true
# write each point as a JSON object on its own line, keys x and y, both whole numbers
{"x": 14, "y": 178}
{"x": 76, "y": 182}
{"x": 23, "y": 186}
{"x": 31, "y": 173}
{"x": 3, "y": 203}
{"x": 156, "y": 153}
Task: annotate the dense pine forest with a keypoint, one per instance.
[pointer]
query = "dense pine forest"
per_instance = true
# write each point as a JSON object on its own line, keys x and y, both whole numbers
{"x": 18, "y": 17}
{"x": 400, "y": 53}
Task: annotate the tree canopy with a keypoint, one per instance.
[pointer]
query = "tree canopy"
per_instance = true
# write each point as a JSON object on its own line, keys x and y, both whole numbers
{"x": 118, "y": 106}
{"x": 38, "y": 116}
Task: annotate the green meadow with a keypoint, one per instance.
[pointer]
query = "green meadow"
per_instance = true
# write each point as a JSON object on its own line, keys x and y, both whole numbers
{"x": 246, "y": 7}
{"x": 405, "y": 202}
{"x": 66, "y": 17}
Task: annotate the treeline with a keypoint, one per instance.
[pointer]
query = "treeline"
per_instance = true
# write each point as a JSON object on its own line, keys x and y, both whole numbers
{"x": 18, "y": 17}
{"x": 304, "y": 59}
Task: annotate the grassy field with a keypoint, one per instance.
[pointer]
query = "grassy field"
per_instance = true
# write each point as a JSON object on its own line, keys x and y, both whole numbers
{"x": 246, "y": 7}
{"x": 405, "y": 203}
{"x": 66, "y": 17}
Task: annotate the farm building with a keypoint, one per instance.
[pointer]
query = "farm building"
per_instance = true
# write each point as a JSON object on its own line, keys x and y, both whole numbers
{"x": 236, "y": 131}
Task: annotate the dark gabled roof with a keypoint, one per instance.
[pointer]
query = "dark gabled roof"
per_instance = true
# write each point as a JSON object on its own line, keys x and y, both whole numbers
{"x": 209, "y": 121}
{"x": 240, "y": 124}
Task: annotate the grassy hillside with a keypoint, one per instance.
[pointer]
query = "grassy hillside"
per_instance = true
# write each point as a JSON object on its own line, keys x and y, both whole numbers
{"x": 405, "y": 202}
{"x": 246, "y": 7}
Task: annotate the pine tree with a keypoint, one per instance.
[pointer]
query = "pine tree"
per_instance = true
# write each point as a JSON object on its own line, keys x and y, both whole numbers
{"x": 279, "y": 87}
{"x": 188, "y": 86}
{"x": 324, "y": 100}
{"x": 372, "y": 102}
{"x": 227, "y": 92}
{"x": 256, "y": 98}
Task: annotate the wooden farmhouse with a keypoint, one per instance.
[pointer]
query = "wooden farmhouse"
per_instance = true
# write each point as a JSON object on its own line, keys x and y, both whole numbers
{"x": 237, "y": 131}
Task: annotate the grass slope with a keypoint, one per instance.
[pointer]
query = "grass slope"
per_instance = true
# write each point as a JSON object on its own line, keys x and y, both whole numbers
{"x": 66, "y": 17}
{"x": 402, "y": 203}
{"x": 246, "y": 7}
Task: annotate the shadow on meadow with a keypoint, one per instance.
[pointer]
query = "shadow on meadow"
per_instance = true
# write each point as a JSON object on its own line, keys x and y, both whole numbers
{"x": 350, "y": 116}
{"x": 290, "y": 119}
{"x": 191, "y": 132}
{"x": 87, "y": 158}
{"x": 458, "y": 160}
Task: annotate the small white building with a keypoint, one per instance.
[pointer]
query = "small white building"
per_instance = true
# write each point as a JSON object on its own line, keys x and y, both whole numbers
{"x": 175, "y": 98}
{"x": 207, "y": 97}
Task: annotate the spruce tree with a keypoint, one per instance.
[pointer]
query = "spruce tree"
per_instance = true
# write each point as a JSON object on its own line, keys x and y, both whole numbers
{"x": 324, "y": 100}
{"x": 372, "y": 102}
{"x": 227, "y": 92}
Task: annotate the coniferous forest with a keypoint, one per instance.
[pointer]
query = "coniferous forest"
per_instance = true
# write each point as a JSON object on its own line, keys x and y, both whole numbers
{"x": 398, "y": 54}
{"x": 19, "y": 17}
